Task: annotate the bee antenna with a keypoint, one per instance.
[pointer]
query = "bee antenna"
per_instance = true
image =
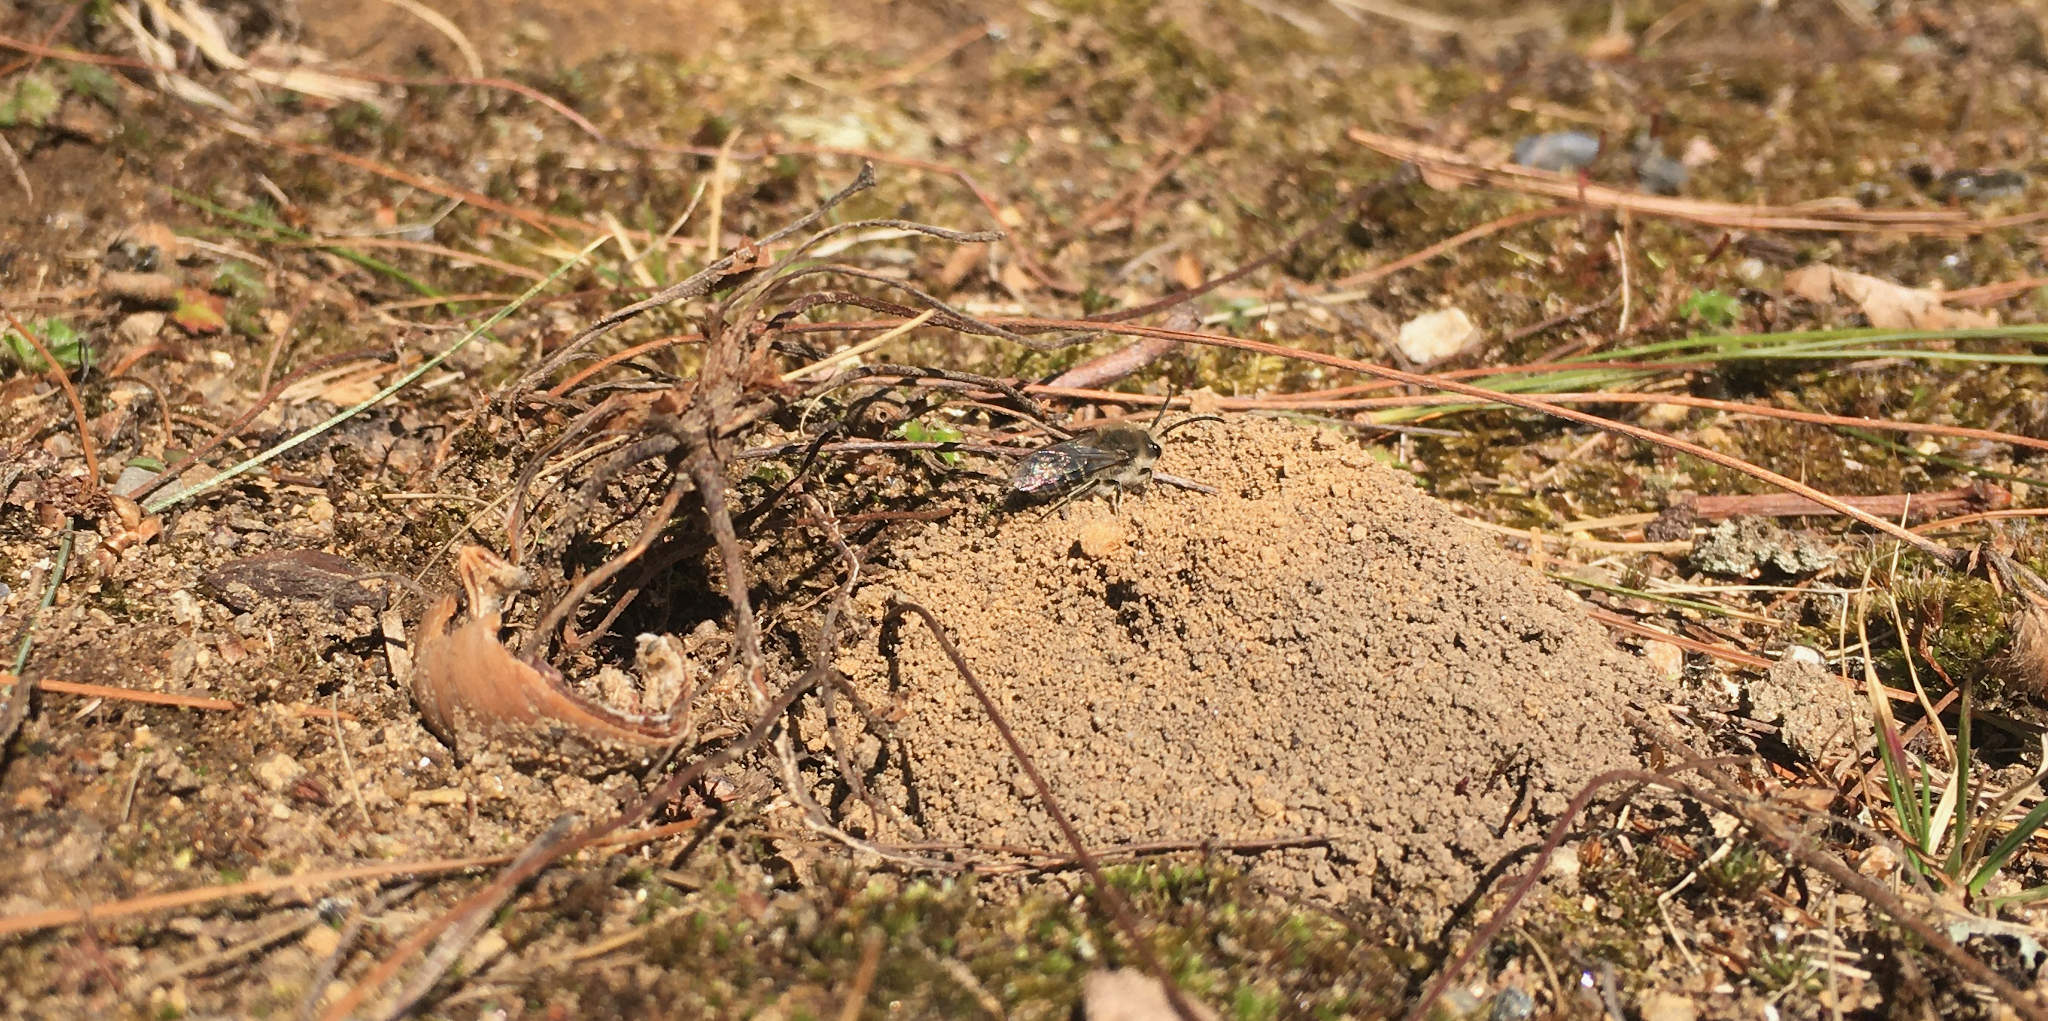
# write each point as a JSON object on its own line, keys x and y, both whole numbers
{"x": 1171, "y": 389}
{"x": 1190, "y": 420}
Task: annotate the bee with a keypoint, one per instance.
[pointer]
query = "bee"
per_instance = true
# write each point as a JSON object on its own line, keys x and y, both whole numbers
{"x": 1111, "y": 459}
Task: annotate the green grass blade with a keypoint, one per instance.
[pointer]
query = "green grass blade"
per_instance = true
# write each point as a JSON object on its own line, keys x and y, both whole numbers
{"x": 278, "y": 230}
{"x": 2006, "y": 848}
{"x": 1956, "y": 861}
{"x": 161, "y": 502}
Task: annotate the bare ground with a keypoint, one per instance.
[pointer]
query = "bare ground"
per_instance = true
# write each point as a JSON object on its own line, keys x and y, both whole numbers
{"x": 1319, "y": 651}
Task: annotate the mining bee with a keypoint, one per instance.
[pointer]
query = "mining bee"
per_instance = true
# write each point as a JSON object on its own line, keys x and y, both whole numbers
{"x": 1111, "y": 459}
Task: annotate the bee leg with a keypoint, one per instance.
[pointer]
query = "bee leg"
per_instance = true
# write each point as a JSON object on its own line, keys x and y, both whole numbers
{"x": 1061, "y": 504}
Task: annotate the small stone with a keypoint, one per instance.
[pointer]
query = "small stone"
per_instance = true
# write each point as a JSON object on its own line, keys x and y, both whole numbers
{"x": 1271, "y": 808}
{"x": 1657, "y": 173}
{"x": 1818, "y": 714}
{"x": 1127, "y": 994}
{"x": 1805, "y": 654}
{"x": 1358, "y": 532}
{"x": 1668, "y": 659}
{"x": 169, "y": 1002}
{"x": 486, "y": 949}
{"x": 320, "y": 510}
{"x": 1665, "y": 417}
{"x": 277, "y": 772}
{"x": 1746, "y": 547}
{"x": 1564, "y": 864}
{"x": 1558, "y": 151}
{"x": 184, "y": 608}
{"x": 1100, "y": 538}
{"x": 177, "y": 777}
{"x": 1434, "y": 336}
{"x": 320, "y": 941}
{"x": 1878, "y": 863}
{"x": 1668, "y": 1007}
{"x": 188, "y": 658}
{"x": 1512, "y": 1004}
{"x": 141, "y": 327}
{"x": 133, "y": 477}
{"x": 1462, "y": 1001}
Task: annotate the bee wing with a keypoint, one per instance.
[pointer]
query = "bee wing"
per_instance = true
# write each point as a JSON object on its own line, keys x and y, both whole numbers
{"x": 1062, "y": 466}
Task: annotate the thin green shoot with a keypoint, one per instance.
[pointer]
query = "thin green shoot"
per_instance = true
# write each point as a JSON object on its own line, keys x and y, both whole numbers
{"x": 1947, "y": 462}
{"x": 1951, "y": 840}
{"x": 1714, "y": 308}
{"x": 60, "y": 338}
{"x": 1808, "y": 345}
{"x": 1680, "y": 602}
{"x": 269, "y": 229}
{"x": 917, "y": 431}
{"x": 163, "y": 501}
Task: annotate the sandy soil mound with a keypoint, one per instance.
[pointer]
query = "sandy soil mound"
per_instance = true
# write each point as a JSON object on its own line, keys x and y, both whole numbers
{"x": 1318, "y": 649}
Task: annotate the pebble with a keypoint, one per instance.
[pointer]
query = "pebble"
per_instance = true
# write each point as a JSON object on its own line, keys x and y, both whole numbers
{"x": 1668, "y": 1007}
{"x": 1559, "y": 151}
{"x": 1100, "y": 538}
{"x": 277, "y": 772}
{"x": 1668, "y": 659}
{"x": 1660, "y": 174}
{"x": 320, "y": 941}
{"x": 141, "y": 327}
{"x": 1980, "y": 185}
{"x": 1512, "y": 1004}
{"x": 133, "y": 477}
{"x": 1434, "y": 336}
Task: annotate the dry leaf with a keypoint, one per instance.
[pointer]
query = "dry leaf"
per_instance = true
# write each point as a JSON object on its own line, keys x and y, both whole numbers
{"x": 1611, "y": 47}
{"x": 199, "y": 312}
{"x": 1887, "y": 305}
{"x": 471, "y": 689}
{"x": 964, "y": 260}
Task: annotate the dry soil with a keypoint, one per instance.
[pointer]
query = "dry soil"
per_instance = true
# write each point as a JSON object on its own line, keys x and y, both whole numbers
{"x": 1318, "y": 648}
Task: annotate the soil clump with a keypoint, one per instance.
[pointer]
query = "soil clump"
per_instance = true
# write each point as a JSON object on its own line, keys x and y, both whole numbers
{"x": 1318, "y": 648}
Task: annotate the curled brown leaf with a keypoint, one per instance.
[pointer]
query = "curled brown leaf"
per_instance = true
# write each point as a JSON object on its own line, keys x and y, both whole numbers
{"x": 473, "y": 691}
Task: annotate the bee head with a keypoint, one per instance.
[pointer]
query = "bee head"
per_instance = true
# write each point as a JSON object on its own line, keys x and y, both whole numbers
{"x": 1133, "y": 441}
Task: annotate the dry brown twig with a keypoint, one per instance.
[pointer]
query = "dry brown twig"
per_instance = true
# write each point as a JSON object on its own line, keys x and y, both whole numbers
{"x": 1447, "y": 166}
{"x": 1119, "y": 909}
{"x": 1949, "y": 557}
{"x": 1725, "y": 794}
{"x": 699, "y": 425}
{"x": 55, "y": 370}
{"x": 822, "y": 651}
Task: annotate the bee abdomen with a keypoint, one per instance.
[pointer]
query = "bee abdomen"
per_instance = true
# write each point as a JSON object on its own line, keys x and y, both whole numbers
{"x": 1045, "y": 470}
